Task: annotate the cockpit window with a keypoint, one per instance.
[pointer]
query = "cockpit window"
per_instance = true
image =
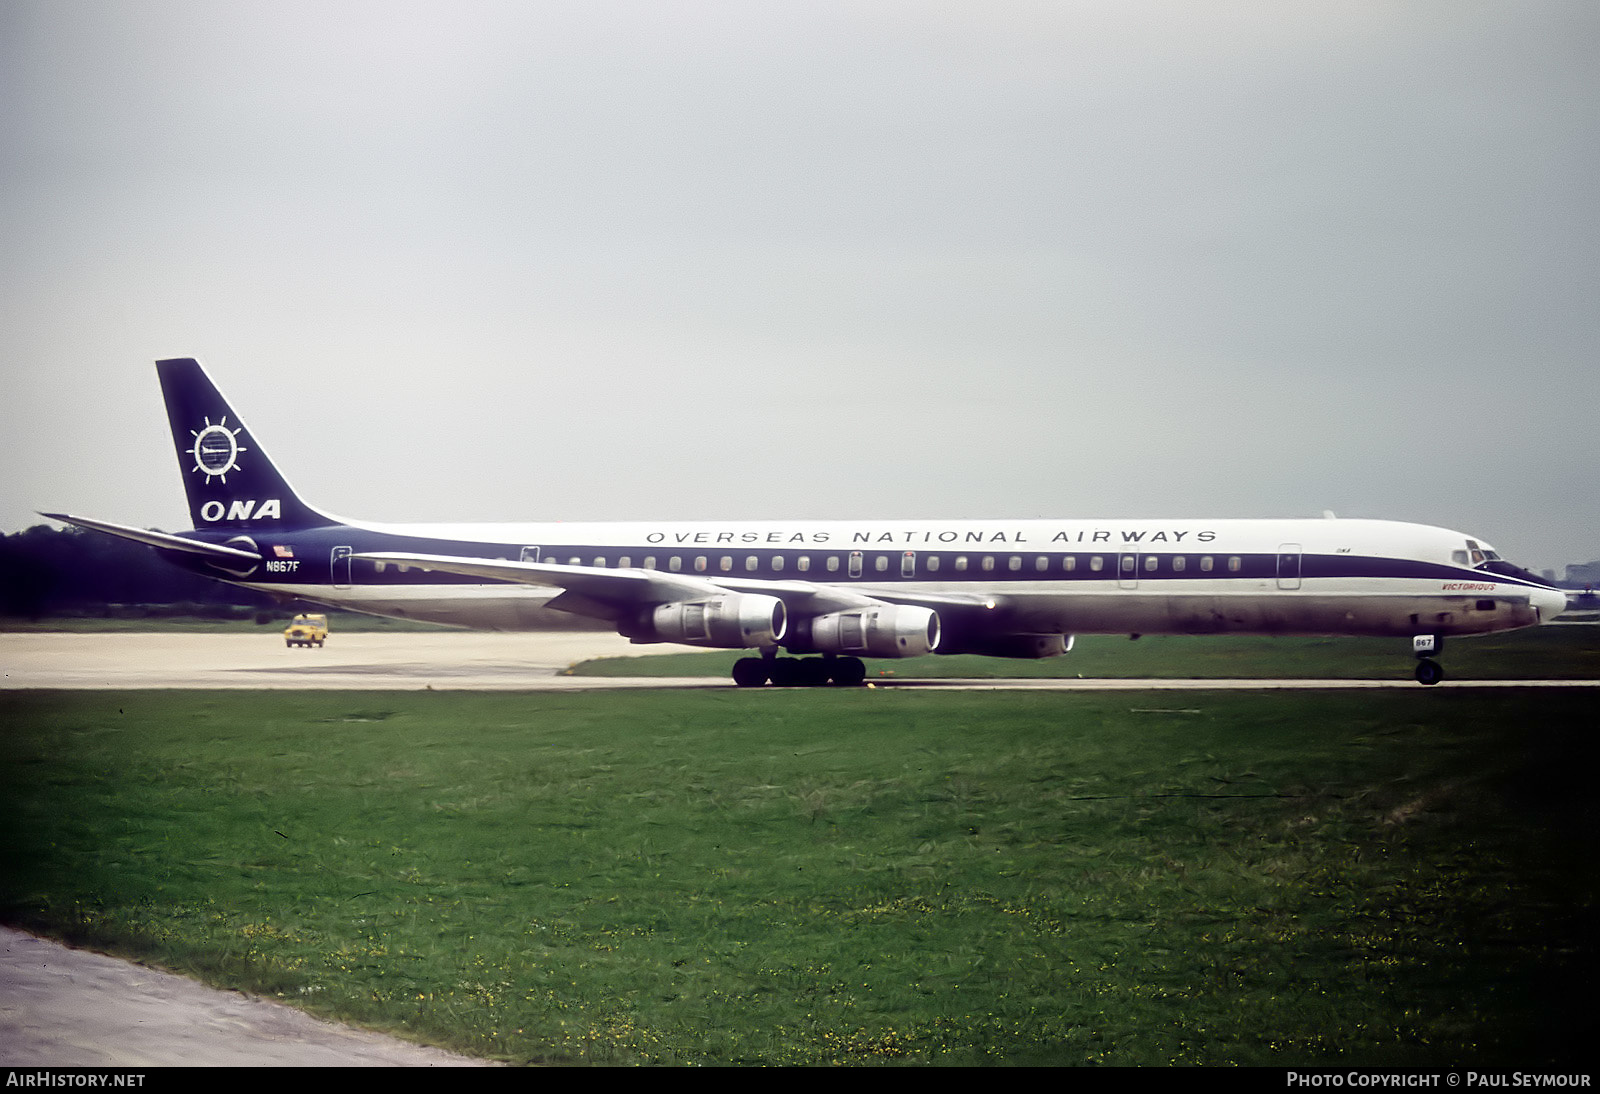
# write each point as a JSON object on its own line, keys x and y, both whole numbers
{"x": 1488, "y": 560}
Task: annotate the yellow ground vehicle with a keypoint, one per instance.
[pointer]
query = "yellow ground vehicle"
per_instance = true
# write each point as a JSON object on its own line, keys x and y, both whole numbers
{"x": 306, "y": 630}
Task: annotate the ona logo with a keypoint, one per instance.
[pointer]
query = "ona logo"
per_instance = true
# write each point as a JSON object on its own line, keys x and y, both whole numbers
{"x": 243, "y": 509}
{"x": 216, "y": 449}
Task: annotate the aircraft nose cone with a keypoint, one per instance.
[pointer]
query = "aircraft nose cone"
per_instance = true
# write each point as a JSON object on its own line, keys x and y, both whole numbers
{"x": 1549, "y": 603}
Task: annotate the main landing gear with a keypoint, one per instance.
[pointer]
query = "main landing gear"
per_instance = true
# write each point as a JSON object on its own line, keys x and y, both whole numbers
{"x": 799, "y": 672}
{"x": 1425, "y": 646}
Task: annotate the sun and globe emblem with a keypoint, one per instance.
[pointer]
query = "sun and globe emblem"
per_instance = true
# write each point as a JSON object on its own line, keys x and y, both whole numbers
{"x": 216, "y": 450}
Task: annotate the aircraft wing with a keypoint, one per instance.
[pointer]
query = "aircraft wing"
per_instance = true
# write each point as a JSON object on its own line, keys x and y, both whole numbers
{"x": 628, "y": 587}
{"x": 604, "y": 592}
{"x": 214, "y": 551}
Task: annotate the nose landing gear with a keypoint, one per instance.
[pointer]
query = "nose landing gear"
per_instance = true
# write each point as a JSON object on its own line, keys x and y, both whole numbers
{"x": 1425, "y": 646}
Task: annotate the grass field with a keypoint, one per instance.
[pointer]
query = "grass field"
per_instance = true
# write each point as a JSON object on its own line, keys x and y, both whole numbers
{"x": 811, "y": 877}
{"x": 1559, "y": 653}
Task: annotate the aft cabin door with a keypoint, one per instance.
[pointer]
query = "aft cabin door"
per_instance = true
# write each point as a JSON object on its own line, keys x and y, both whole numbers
{"x": 341, "y": 567}
{"x": 1289, "y": 566}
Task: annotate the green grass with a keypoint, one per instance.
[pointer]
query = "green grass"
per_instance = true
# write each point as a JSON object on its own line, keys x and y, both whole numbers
{"x": 1561, "y": 653}
{"x": 818, "y": 877}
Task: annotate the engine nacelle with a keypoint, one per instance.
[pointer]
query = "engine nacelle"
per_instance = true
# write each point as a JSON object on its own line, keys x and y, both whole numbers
{"x": 883, "y": 630}
{"x": 733, "y": 621}
{"x": 1024, "y": 646}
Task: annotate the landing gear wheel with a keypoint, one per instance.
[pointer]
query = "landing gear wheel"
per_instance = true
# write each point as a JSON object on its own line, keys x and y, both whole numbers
{"x": 812, "y": 672}
{"x": 750, "y": 672}
{"x": 1429, "y": 672}
{"x": 848, "y": 672}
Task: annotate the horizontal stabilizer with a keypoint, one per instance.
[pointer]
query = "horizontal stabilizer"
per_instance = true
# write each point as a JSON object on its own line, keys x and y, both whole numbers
{"x": 163, "y": 540}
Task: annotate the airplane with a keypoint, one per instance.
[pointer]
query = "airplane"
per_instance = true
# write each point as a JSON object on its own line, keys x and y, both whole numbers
{"x": 813, "y": 598}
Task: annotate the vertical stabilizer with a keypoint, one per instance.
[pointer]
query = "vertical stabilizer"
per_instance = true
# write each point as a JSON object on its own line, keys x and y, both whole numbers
{"x": 230, "y": 482}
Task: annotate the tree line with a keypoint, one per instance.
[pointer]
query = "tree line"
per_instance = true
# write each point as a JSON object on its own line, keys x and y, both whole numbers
{"x": 48, "y": 572}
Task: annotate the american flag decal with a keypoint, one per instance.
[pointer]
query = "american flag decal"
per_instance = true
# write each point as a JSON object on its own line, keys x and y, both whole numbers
{"x": 282, "y": 552}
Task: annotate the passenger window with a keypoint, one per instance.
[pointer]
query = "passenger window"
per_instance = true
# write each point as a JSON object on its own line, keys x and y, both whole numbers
{"x": 1178, "y": 563}
{"x": 750, "y": 563}
{"x": 988, "y": 563}
{"x": 881, "y": 564}
{"x": 1097, "y": 564}
{"x": 1205, "y": 563}
{"x": 961, "y": 562}
{"x": 726, "y": 564}
{"x": 1070, "y": 563}
{"x": 1149, "y": 564}
{"x": 777, "y": 563}
{"x": 805, "y": 563}
{"x": 933, "y": 564}
{"x": 1015, "y": 563}
{"x": 833, "y": 564}
{"x": 1234, "y": 564}
{"x": 700, "y": 564}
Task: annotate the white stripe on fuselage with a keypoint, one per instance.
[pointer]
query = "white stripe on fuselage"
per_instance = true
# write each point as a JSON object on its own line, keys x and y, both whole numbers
{"x": 1362, "y": 537}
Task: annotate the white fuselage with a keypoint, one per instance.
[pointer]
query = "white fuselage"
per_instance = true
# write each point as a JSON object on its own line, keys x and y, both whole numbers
{"x": 1036, "y": 576}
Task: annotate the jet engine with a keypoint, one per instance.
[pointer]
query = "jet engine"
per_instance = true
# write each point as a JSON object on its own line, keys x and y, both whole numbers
{"x": 1025, "y": 646}
{"x": 883, "y": 630}
{"x": 734, "y": 621}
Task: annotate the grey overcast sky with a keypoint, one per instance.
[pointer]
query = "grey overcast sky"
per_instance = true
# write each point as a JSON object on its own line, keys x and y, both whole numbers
{"x": 594, "y": 260}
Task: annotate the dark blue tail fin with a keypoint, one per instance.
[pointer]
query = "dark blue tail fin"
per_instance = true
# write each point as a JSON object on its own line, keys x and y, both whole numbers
{"x": 230, "y": 482}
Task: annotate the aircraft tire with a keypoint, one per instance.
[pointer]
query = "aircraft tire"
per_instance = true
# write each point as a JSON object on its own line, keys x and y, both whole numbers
{"x": 849, "y": 672}
{"x": 1429, "y": 672}
{"x": 787, "y": 673}
{"x": 750, "y": 672}
{"x": 813, "y": 672}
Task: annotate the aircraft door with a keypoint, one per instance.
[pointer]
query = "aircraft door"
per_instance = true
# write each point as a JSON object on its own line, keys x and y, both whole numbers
{"x": 341, "y": 567}
{"x": 1128, "y": 570}
{"x": 1289, "y": 566}
{"x": 529, "y": 554}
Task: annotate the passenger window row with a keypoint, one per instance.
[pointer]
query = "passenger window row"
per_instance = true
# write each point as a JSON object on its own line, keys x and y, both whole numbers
{"x": 912, "y": 563}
